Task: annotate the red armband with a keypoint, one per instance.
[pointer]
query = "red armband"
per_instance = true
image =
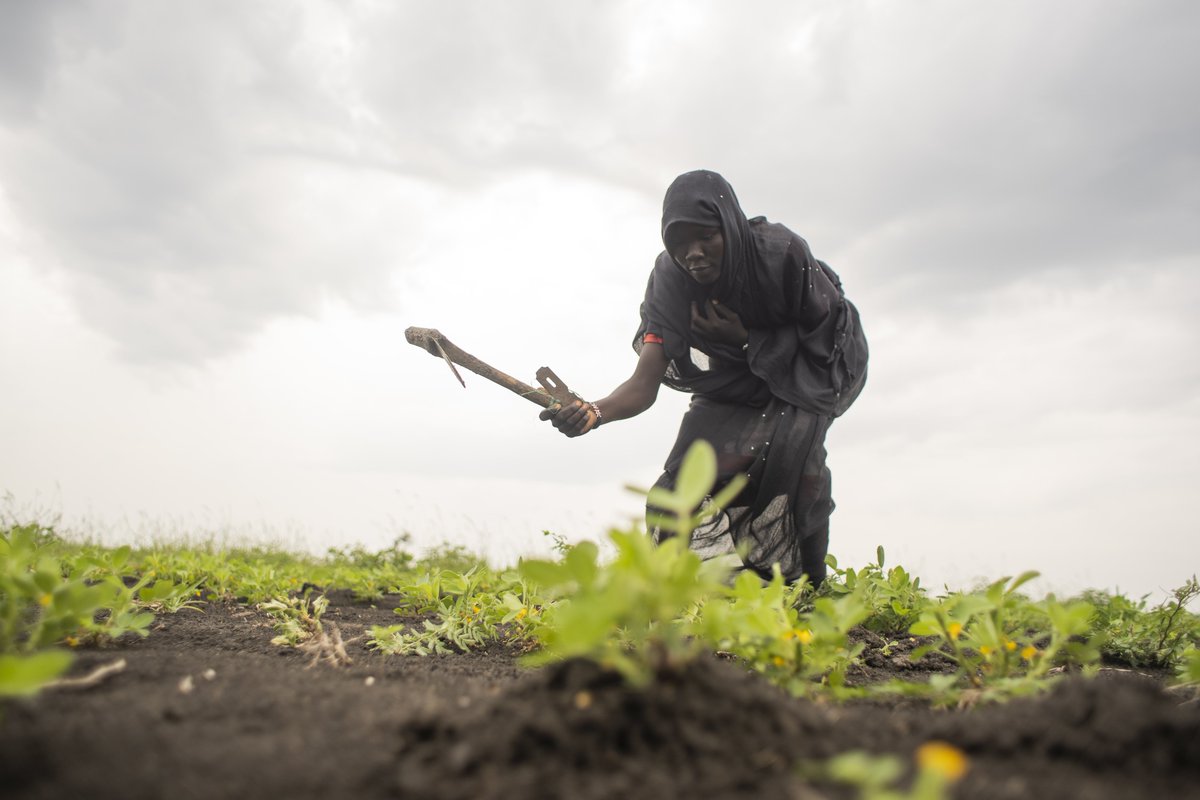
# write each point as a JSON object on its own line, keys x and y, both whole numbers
{"x": 652, "y": 338}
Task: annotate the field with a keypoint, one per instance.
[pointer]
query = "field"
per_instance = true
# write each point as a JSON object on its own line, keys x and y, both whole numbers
{"x": 202, "y": 672}
{"x": 478, "y": 725}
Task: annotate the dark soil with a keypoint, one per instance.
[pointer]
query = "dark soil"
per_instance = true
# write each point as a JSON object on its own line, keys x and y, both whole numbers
{"x": 478, "y": 726}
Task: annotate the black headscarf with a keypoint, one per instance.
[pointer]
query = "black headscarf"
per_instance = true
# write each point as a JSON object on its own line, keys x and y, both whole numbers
{"x": 705, "y": 198}
{"x": 806, "y": 344}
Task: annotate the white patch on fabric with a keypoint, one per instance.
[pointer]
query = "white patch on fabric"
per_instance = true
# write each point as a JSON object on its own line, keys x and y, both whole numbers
{"x": 700, "y": 360}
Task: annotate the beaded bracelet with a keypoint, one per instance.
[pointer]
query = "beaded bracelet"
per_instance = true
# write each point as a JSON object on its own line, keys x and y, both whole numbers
{"x": 599, "y": 416}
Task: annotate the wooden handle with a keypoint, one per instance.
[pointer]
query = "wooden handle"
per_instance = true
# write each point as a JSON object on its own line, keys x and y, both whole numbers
{"x": 430, "y": 338}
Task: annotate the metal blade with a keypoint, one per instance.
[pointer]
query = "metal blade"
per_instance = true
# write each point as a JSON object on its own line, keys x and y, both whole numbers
{"x": 555, "y": 387}
{"x": 450, "y": 363}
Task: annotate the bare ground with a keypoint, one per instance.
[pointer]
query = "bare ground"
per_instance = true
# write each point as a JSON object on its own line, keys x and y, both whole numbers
{"x": 263, "y": 723}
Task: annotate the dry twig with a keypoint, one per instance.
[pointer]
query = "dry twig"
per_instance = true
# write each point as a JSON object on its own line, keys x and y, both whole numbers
{"x": 94, "y": 677}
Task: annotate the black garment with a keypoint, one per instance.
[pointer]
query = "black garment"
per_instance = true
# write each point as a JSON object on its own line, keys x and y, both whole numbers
{"x": 766, "y": 409}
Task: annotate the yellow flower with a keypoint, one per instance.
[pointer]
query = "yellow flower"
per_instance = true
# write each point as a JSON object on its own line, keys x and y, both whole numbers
{"x": 475, "y": 609}
{"x": 521, "y": 614}
{"x": 777, "y": 661}
{"x": 955, "y": 629}
{"x": 802, "y": 635}
{"x": 1028, "y": 652}
{"x": 984, "y": 650}
{"x": 942, "y": 759}
{"x": 1010, "y": 645}
{"x": 72, "y": 641}
{"x": 45, "y": 599}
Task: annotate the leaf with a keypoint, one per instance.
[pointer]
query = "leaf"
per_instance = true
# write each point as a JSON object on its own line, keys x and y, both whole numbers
{"x": 926, "y": 626}
{"x": 1022, "y": 579}
{"x": 162, "y": 589}
{"x": 920, "y": 652}
{"x": 119, "y": 557}
{"x": 730, "y": 491}
{"x": 862, "y": 769}
{"x": 23, "y": 676}
{"x": 697, "y": 474}
{"x": 664, "y": 521}
{"x": 658, "y": 497}
{"x": 546, "y": 574}
{"x": 967, "y": 606}
{"x": 581, "y": 562}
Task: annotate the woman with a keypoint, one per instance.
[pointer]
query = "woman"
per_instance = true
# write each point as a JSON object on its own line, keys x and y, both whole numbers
{"x": 739, "y": 313}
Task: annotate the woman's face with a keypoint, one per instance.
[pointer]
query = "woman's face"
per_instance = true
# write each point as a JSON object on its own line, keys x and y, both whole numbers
{"x": 698, "y": 249}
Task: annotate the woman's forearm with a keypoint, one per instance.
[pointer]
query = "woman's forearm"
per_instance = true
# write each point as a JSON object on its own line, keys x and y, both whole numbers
{"x": 640, "y": 391}
{"x": 627, "y": 400}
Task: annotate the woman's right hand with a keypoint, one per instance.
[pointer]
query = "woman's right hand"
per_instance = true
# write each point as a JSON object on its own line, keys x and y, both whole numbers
{"x": 573, "y": 420}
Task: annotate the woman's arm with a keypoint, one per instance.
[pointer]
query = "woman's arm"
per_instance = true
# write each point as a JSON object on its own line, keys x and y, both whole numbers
{"x": 629, "y": 399}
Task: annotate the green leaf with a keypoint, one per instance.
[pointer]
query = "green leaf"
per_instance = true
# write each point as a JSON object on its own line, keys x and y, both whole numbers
{"x": 23, "y": 676}
{"x": 664, "y": 521}
{"x": 730, "y": 491}
{"x": 697, "y": 474}
{"x": 119, "y": 558}
{"x": 920, "y": 652}
{"x": 162, "y": 589}
{"x": 1022, "y": 579}
{"x": 862, "y": 769}
{"x": 658, "y": 497}
{"x": 546, "y": 574}
{"x": 581, "y": 562}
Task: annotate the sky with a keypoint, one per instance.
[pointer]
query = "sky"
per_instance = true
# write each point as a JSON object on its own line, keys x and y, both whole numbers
{"x": 218, "y": 218}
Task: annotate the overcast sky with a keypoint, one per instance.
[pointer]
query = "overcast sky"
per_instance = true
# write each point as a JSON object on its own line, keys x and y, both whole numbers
{"x": 218, "y": 218}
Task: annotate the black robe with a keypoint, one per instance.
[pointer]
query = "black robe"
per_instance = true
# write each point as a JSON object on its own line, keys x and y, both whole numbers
{"x": 765, "y": 409}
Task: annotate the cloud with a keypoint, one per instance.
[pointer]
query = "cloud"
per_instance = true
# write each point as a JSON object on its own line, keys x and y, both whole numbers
{"x": 157, "y": 168}
{"x": 199, "y": 170}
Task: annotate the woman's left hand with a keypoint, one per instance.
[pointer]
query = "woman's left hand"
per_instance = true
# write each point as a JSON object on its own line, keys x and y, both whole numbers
{"x": 719, "y": 324}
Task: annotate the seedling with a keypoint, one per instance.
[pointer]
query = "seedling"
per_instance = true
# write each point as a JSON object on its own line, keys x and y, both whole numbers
{"x": 938, "y": 767}
{"x": 894, "y": 600}
{"x": 1002, "y": 643}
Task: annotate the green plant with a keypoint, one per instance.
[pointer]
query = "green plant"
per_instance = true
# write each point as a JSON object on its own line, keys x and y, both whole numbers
{"x": 893, "y": 600}
{"x": 49, "y": 596}
{"x": 46, "y": 599}
{"x": 23, "y": 675}
{"x": 295, "y": 619}
{"x": 1188, "y": 672}
{"x": 639, "y": 612}
{"x": 558, "y": 542}
{"x": 803, "y": 651}
{"x": 682, "y": 509}
{"x": 168, "y": 596}
{"x": 1147, "y": 637}
{"x": 452, "y": 558}
{"x": 1002, "y": 643}
{"x": 631, "y": 613}
{"x": 938, "y": 767}
{"x": 298, "y": 621}
{"x": 470, "y": 610}
{"x": 368, "y": 574}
